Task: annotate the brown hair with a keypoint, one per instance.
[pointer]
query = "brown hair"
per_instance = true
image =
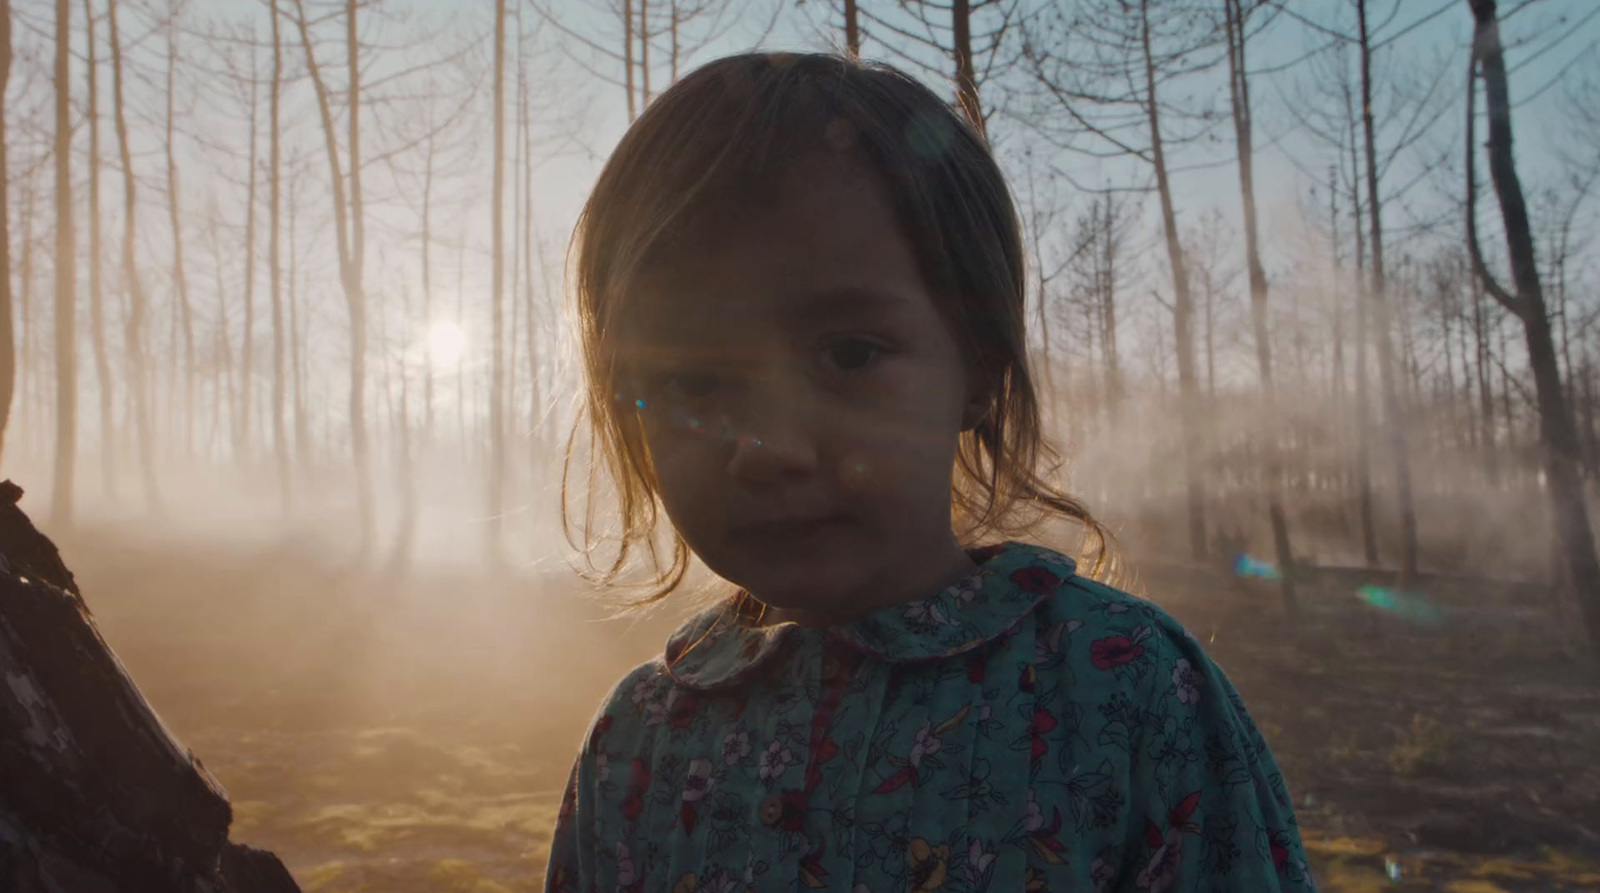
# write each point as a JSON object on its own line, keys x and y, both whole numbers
{"x": 726, "y": 132}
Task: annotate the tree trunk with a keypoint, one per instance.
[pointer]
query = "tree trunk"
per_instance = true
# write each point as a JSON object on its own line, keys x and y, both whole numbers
{"x": 1243, "y": 123}
{"x": 99, "y": 795}
{"x": 97, "y": 318}
{"x": 1182, "y": 305}
{"x": 1108, "y": 310}
{"x": 180, "y": 283}
{"x": 627, "y": 57}
{"x": 280, "y": 435}
{"x": 348, "y": 239}
{"x": 297, "y": 350}
{"x": 1394, "y": 417}
{"x": 1480, "y": 334}
{"x": 358, "y": 315}
{"x": 497, "y": 434}
{"x": 966, "y": 77}
{"x": 1564, "y": 484}
{"x": 852, "y": 30}
{"x": 427, "y": 293}
{"x": 644, "y": 54}
{"x": 65, "y": 280}
{"x": 8, "y": 336}
{"x": 1363, "y": 336}
{"x": 527, "y": 279}
{"x": 247, "y": 377}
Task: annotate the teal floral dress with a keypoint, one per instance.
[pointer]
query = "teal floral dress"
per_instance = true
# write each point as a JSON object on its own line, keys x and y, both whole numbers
{"x": 1024, "y": 730}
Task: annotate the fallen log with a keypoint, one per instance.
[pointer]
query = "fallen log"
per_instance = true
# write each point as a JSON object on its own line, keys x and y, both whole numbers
{"x": 96, "y": 795}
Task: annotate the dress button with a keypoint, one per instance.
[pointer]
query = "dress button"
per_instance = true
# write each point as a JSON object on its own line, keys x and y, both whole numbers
{"x": 771, "y": 810}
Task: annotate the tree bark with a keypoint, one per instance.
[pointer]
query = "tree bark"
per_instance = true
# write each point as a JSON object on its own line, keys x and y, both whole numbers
{"x": 280, "y": 436}
{"x": 966, "y": 77}
{"x": 99, "y": 795}
{"x": 61, "y": 496}
{"x": 1182, "y": 304}
{"x": 180, "y": 283}
{"x": 348, "y": 239}
{"x": 852, "y": 30}
{"x": 497, "y": 401}
{"x": 97, "y": 320}
{"x": 8, "y": 336}
{"x": 1243, "y": 123}
{"x": 1394, "y": 416}
{"x": 1561, "y": 453}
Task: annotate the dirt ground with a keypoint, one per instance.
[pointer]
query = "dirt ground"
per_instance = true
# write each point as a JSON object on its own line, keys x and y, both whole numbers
{"x": 396, "y": 733}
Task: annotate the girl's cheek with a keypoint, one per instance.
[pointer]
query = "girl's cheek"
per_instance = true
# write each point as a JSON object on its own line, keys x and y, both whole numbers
{"x": 856, "y": 473}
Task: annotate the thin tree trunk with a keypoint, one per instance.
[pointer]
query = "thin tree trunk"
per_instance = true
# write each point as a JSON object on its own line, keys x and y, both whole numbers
{"x": 427, "y": 291}
{"x": 358, "y": 251}
{"x": 1244, "y": 124}
{"x": 222, "y": 388}
{"x": 497, "y": 434}
{"x": 65, "y": 280}
{"x": 247, "y": 381}
{"x": 180, "y": 283}
{"x": 1480, "y": 334}
{"x": 1363, "y": 336}
{"x": 8, "y": 336}
{"x": 966, "y": 77}
{"x": 280, "y": 435}
{"x": 527, "y": 278}
{"x": 97, "y": 320}
{"x": 1108, "y": 311}
{"x": 302, "y": 426}
{"x": 1395, "y": 422}
{"x": 644, "y": 54}
{"x": 348, "y": 238}
{"x": 1182, "y": 304}
{"x": 27, "y": 408}
{"x": 852, "y": 30}
{"x": 627, "y": 57}
{"x": 1565, "y": 485}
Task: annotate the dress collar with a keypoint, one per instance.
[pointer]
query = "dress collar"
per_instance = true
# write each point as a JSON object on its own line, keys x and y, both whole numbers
{"x": 720, "y": 646}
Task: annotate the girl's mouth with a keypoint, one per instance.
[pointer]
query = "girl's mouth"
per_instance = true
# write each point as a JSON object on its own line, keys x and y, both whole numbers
{"x": 788, "y": 531}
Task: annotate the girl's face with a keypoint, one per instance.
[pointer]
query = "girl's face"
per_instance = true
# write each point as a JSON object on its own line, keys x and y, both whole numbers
{"x": 803, "y": 398}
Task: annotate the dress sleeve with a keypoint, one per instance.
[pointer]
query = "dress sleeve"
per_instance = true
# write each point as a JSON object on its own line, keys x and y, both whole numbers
{"x": 1209, "y": 810}
{"x": 571, "y": 867}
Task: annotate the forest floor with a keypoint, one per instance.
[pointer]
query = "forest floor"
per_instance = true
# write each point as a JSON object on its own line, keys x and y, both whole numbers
{"x": 402, "y": 732}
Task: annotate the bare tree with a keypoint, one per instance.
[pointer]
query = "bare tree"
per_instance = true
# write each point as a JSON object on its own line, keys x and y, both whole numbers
{"x": 1236, "y": 16}
{"x": 138, "y": 307}
{"x": 180, "y": 283}
{"x": 8, "y": 337}
{"x": 349, "y": 239}
{"x": 1395, "y": 421}
{"x": 1526, "y": 302}
{"x": 97, "y": 321}
{"x": 65, "y": 279}
{"x": 1101, "y": 71}
{"x": 280, "y": 437}
{"x": 497, "y": 397}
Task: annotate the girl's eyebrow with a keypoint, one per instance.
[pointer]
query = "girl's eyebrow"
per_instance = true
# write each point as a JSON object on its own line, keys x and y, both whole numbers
{"x": 844, "y": 300}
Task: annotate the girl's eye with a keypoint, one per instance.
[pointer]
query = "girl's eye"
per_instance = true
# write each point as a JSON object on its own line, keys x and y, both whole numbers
{"x": 852, "y": 354}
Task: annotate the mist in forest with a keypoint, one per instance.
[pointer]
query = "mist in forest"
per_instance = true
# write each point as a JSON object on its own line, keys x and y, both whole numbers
{"x": 287, "y": 369}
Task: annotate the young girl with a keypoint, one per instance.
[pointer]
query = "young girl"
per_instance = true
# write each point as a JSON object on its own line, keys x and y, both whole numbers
{"x": 801, "y": 291}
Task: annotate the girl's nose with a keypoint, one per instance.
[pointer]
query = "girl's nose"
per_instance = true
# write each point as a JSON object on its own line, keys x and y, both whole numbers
{"x": 775, "y": 445}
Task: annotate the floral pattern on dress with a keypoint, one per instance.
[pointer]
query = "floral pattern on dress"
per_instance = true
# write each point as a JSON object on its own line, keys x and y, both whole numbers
{"x": 1025, "y": 729}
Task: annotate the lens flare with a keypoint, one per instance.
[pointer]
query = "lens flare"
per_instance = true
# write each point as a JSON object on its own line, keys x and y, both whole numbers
{"x": 1407, "y": 606}
{"x": 1248, "y": 567}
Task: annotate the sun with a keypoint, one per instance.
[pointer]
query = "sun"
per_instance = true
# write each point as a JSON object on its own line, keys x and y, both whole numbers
{"x": 446, "y": 343}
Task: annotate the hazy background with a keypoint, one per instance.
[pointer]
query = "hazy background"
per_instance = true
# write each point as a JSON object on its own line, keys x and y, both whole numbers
{"x": 384, "y": 651}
